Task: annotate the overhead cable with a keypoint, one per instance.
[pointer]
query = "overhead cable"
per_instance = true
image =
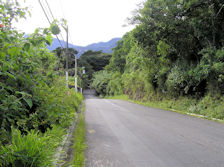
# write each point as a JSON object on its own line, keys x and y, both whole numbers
{"x": 63, "y": 13}
{"x": 48, "y": 20}
{"x": 53, "y": 16}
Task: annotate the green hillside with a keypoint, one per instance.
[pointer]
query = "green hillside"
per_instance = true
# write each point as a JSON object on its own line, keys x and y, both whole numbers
{"x": 175, "y": 53}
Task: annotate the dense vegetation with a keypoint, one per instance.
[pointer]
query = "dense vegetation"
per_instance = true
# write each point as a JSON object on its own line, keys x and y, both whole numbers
{"x": 35, "y": 105}
{"x": 175, "y": 52}
{"x": 91, "y": 62}
{"x": 61, "y": 63}
{"x": 80, "y": 145}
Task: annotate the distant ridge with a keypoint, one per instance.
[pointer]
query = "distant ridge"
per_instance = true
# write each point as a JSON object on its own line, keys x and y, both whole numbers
{"x": 105, "y": 47}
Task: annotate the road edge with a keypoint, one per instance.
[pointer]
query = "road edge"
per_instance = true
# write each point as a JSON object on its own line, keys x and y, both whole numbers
{"x": 164, "y": 108}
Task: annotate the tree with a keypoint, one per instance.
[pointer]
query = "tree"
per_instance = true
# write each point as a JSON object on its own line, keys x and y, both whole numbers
{"x": 175, "y": 33}
{"x": 93, "y": 61}
{"x": 177, "y": 46}
{"x": 26, "y": 66}
{"x": 118, "y": 59}
{"x": 61, "y": 55}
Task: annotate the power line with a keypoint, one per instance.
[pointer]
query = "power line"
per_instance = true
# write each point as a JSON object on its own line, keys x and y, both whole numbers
{"x": 48, "y": 20}
{"x": 49, "y": 9}
{"x": 53, "y": 16}
{"x": 63, "y": 13}
{"x": 44, "y": 12}
{"x": 68, "y": 34}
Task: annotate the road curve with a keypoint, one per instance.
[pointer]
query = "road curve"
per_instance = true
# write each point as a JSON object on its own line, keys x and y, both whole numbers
{"x": 123, "y": 134}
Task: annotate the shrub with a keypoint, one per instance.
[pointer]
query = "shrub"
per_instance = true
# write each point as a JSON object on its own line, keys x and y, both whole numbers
{"x": 100, "y": 82}
{"x": 115, "y": 85}
{"x": 59, "y": 103}
{"x": 29, "y": 150}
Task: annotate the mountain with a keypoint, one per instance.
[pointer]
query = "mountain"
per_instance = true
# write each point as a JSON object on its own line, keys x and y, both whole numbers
{"x": 105, "y": 47}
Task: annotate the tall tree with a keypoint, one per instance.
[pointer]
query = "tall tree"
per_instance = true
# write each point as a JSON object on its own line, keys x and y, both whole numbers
{"x": 61, "y": 54}
{"x": 93, "y": 61}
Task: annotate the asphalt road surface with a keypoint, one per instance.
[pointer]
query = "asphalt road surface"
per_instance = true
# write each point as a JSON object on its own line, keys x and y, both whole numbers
{"x": 123, "y": 134}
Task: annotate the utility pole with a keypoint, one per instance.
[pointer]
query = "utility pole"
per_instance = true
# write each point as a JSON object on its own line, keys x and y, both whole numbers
{"x": 83, "y": 72}
{"x": 66, "y": 56}
{"x": 76, "y": 80}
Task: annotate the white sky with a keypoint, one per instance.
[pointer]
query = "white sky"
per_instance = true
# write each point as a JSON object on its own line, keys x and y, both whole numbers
{"x": 89, "y": 21}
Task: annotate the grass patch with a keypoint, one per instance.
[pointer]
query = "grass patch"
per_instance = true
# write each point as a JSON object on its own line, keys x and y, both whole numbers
{"x": 80, "y": 145}
{"x": 207, "y": 108}
{"x": 26, "y": 150}
{"x": 165, "y": 104}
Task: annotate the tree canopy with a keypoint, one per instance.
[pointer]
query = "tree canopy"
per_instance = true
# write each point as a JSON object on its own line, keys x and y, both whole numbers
{"x": 176, "y": 49}
{"x": 92, "y": 61}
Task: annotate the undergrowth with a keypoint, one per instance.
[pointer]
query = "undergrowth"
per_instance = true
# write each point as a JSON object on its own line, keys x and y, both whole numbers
{"x": 34, "y": 148}
{"x": 80, "y": 145}
{"x": 29, "y": 150}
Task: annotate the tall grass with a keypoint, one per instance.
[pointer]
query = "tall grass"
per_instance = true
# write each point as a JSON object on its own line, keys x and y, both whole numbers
{"x": 79, "y": 145}
{"x": 31, "y": 150}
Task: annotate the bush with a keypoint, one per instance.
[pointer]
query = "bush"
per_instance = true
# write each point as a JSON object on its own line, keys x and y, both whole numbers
{"x": 115, "y": 85}
{"x": 53, "y": 116}
{"x": 136, "y": 84}
{"x": 59, "y": 103}
{"x": 100, "y": 82}
{"x": 29, "y": 150}
{"x": 26, "y": 68}
{"x": 32, "y": 100}
{"x": 177, "y": 81}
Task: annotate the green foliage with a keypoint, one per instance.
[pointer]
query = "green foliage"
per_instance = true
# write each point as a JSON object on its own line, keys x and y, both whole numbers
{"x": 97, "y": 60}
{"x": 71, "y": 81}
{"x": 11, "y": 11}
{"x": 163, "y": 48}
{"x": 175, "y": 32}
{"x": 34, "y": 102}
{"x": 177, "y": 81}
{"x": 100, "y": 82}
{"x": 92, "y": 62}
{"x": 211, "y": 106}
{"x": 30, "y": 150}
{"x": 115, "y": 85}
{"x": 26, "y": 67}
{"x": 176, "y": 50}
{"x": 118, "y": 59}
{"x": 56, "y": 112}
{"x": 136, "y": 85}
{"x": 59, "y": 103}
{"x": 211, "y": 67}
{"x": 55, "y": 28}
{"x": 80, "y": 145}
{"x": 177, "y": 47}
{"x": 60, "y": 53}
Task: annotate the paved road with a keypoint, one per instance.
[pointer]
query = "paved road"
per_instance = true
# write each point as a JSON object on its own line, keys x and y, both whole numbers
{"x": 123, "y": 134}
